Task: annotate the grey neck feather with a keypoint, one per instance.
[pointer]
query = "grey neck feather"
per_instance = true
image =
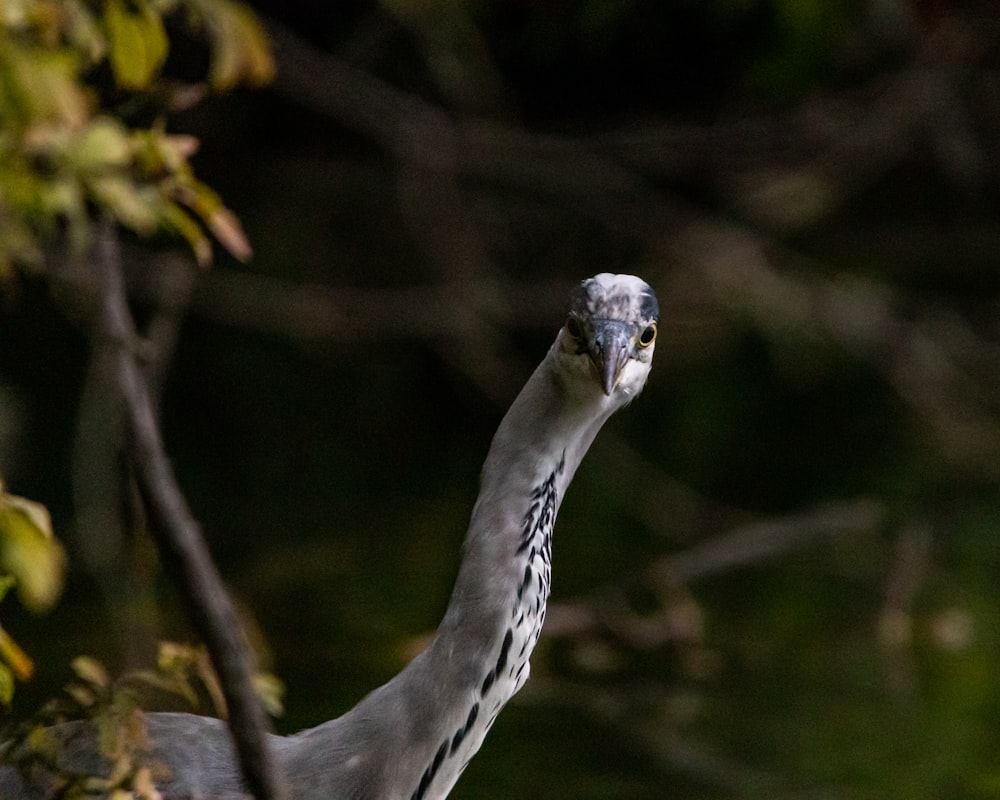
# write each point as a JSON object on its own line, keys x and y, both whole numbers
{"x": 421, "y": 728}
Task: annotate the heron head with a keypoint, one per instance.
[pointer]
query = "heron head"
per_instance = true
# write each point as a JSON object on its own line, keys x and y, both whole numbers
{"x": 611, "y": 332}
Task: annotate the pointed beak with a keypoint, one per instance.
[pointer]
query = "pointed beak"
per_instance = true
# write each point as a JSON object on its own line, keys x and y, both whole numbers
{"x": 609, "y": 350}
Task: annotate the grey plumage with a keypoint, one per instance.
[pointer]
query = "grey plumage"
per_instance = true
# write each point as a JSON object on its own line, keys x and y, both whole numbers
{"x": 411, "y": 738}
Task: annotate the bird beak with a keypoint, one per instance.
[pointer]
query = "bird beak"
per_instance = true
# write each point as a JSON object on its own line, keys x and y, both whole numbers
{"x": 609, "y": 350}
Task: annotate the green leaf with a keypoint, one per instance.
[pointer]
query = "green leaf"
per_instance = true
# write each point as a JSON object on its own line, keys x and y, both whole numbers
{"x": 138, "y": 43}
{"x": 175, "y": 684}
{"x": 227, "y": 229}
{"x": 42, "y": 740}
{"x": 83, "y": 31}
{"x": 103, "y": 144}
{"x": 29, "y": 552}
{"x": 240, "y": 48}
{"x": 157, "y": 152}
{"x": 83, "y": 696}
{"x": 137, "y": 207}
{"x": 6, "y": 685}
{"x": 60, "y": 197}
{"x": 271, "y": 690}
{"x": 14, "y": 658}
{"x": 176, "y": 219}
{"x": 18, "y": 243}
{"x": 207, "y": 204}
{"x": 91, "y": 671}
{"x": 40, "y": 86}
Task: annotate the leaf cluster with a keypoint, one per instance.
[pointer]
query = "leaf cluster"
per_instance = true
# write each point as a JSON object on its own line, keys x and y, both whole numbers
{"x": 33, "y": 562}
{"x": 70, "y": 71}
{"x": 113, "y": 708}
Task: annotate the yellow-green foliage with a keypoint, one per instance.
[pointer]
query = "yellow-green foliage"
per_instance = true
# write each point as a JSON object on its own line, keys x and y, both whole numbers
{"x": 68, "y": 68}
{"x": 32, "y": 562}
{"x": 182, "y": 672}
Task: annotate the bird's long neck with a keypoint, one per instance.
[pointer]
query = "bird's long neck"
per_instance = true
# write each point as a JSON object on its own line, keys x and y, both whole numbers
{"x": 531, "y": 461}
{"x": 479, "y": 656}
{"x": 420, "y": 729}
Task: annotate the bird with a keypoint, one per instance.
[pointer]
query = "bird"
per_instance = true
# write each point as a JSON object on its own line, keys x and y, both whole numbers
{"x": 411, "y": 738}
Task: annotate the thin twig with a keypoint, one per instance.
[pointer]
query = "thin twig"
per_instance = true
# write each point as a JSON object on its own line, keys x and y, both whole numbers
{"x": 762, "y": 541}
{"x": 744, "y": 546}
{"x": 179, "y": 539}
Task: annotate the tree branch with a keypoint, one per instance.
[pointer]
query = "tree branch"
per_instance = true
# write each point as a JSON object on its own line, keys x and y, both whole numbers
{"x": 743, "y": 546}
{"x": 182, "y": 548}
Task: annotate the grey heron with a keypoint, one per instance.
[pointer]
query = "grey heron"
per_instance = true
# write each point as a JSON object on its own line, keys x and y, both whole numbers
{"x": 411, "y": 738}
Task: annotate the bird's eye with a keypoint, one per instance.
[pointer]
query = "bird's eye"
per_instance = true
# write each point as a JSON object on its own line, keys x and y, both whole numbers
{"x": 573, "y": 327}
{"x": 648, "y": 336}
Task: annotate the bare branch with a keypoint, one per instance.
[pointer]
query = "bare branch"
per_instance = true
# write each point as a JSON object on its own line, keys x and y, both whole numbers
{"x": 743, "y": 546}
{"x": 181, "y": 545}
{"x": 762, "y": 541}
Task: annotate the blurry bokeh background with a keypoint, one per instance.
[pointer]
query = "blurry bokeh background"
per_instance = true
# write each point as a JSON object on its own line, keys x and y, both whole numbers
{"x": 776, "y": 574}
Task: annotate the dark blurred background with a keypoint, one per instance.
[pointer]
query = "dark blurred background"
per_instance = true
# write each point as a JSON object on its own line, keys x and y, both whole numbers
{"x": 775, "y": 573}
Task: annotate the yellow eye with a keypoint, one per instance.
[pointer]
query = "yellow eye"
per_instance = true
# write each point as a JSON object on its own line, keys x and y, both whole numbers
{"x": 648, "y": 336}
